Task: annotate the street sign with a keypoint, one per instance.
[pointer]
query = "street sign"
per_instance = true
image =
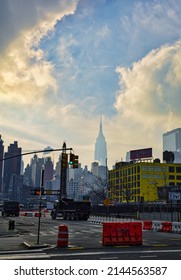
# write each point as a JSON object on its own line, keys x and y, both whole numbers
{"x": 107, "y": 201}
{"x": 174, "y": 195}
{"x": 47, "y": 192}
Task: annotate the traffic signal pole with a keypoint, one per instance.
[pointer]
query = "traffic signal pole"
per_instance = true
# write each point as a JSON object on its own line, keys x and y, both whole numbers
{"x": 39, "y": 216}
{"x": 63, "y": 172}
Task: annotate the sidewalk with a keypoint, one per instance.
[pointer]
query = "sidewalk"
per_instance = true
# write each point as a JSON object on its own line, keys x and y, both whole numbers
{"x": 11, "y": 240}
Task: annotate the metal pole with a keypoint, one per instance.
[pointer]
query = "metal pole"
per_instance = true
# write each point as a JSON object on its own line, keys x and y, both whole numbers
{"x": 171, "y": 211}
{"x": 39, "y": 216}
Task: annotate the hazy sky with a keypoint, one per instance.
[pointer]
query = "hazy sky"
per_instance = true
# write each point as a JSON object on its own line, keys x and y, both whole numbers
{"x": 64, "y": 63}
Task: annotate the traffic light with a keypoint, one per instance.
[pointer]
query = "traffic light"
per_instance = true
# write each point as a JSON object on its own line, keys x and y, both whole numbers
{"x": 37, "y": 191}
{"x": 64, "y": 162}
{"x": 74, "y": 160}
{"x": 71, "y": 159}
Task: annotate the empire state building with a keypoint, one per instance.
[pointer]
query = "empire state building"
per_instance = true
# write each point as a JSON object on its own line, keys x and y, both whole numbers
{"x": 100, "y": 153}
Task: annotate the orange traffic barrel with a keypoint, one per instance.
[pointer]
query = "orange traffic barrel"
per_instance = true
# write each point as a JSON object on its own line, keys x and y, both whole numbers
{"x": 62, "y": 240}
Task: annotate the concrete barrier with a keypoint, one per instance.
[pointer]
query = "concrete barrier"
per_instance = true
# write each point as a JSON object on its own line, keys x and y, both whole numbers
{"x": 176, "y": 227}
{"x": 164, "y": 226}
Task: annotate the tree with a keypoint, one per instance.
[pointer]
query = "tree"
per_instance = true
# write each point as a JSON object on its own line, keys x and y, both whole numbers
{"x": 98, "y": 190}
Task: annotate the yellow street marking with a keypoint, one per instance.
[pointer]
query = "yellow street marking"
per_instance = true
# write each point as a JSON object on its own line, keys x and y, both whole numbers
{"x": 160, "y": 245}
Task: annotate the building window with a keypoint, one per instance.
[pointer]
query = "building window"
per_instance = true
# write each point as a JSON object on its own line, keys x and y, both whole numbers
{"x": 171, "y": 169}
{"x": 178, "y": 177}
{"x": 144, "y": 168}
{"x": 178, "y": 169}
{"x": 158, "y": 168}
{"x": 171, "y": 177}
{"x": 158, "y": 176}
{"x": 150, "y": 168}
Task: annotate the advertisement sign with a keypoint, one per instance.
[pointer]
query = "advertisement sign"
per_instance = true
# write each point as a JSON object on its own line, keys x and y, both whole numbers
{"x": 141, "y": 153}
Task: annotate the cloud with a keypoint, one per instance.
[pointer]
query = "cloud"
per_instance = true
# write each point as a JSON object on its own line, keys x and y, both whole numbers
{"x": 57, "y": 73}
{"x": 22, "y": 15}
{"x": 149, "y": 99}
{"x": 27, "y": 83}
{"x": 25, "y": 74}
{"x": 149, "y": 25}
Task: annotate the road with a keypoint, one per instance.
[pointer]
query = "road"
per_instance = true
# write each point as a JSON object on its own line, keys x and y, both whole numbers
{"x": 85, "y": 242}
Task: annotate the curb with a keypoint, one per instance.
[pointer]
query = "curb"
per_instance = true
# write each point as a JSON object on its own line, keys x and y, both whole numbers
{"x": 34, "y": 245}
{"x": 19, "y": 252}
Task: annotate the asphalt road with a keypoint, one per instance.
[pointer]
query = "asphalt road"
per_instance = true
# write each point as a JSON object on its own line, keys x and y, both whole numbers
{"x": 85, "y": 242}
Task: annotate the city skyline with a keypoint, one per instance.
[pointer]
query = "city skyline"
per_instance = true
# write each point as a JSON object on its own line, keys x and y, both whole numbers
{"x": 63, "y": 64}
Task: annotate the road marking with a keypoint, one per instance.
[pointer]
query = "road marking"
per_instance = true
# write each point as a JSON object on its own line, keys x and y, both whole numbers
{"x": 149, "y": 256}
{"x": 160, "y": 245}
{"x": 175, "y": 239}
{"x": 114, "y": 252}
{"x": 43, "y": 233}
{"x": 32, "y": 234}
{"x": 76, "y": 248}
{"x": 122, "y": 246}
{"x": 53, "y": 232}
{"x": 109, "y": 258}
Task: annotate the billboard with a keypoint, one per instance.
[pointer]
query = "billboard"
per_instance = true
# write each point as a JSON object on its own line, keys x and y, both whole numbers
{"x": 141, "y": 153}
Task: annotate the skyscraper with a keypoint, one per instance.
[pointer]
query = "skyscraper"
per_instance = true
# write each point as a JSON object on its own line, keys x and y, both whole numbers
{"x": 172, "y": 142}
{"x": 100, "y": 153}
{"x": 12, "y": 166}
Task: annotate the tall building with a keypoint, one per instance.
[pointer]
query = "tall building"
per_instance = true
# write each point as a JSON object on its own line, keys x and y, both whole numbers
{"x": 1, "y": 162}
{"x": 100, "y": 153}
{"x": 37, "y": 166}
{"x": 48, "y": 172}
{"x": 172, "y": 142}
{"x": 12, "y": 166}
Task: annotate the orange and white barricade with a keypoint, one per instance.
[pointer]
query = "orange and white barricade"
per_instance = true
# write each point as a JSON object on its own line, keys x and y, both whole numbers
{"x": 62, "y": 240}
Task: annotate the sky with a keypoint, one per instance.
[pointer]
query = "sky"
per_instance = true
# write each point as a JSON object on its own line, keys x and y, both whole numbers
{"x": 66, "y": 63}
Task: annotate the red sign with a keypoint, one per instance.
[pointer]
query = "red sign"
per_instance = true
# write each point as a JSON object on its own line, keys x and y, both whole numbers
{"x": 142, "y": 153}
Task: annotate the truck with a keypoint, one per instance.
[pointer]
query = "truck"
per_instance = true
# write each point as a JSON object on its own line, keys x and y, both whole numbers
{"x": 10, "y": 208}
{"x": 70, "y": 209}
